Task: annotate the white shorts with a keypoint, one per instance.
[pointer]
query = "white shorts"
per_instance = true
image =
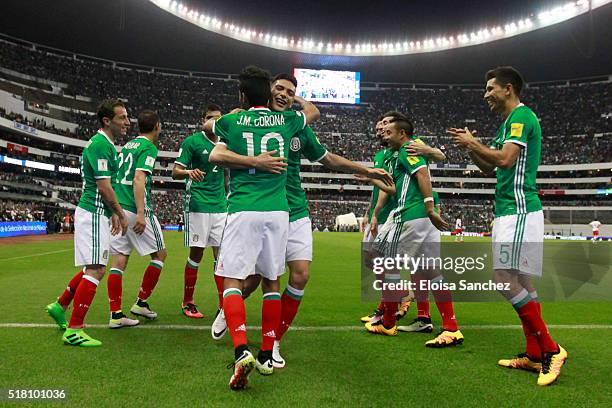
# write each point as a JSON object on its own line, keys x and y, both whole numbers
{"x": 91, "y": 238}
{"x": 518, "y": 242}
{"x": 150, "y": 241}
{"x": 254, "y": 240}
{"x": 299, "y": 240}
{"x": 204, "y": 230}
{"x": 367, "y": 235}
{"x": 413, "y": 238}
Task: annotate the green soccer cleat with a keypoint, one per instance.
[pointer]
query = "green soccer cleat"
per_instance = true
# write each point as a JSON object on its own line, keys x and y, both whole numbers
{"x": 78, "y": 337}
{"x": 57, "y": 313}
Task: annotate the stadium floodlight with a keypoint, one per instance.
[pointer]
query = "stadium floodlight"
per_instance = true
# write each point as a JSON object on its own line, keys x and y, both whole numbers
{"x": 397, "y": 46}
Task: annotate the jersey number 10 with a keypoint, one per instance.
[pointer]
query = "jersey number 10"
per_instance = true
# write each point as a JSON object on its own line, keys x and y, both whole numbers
{"x": 248, "y": 136}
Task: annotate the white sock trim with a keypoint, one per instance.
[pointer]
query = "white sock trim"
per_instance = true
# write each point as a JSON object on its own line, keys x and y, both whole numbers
{"x": 193, "y": 263}
{"x": 119, "y": 271}
{"x": 534, "y": 294}
{"x": 521, "y": 296}
{"x": 271, "y": 294}
{"x": 158, "y": 263}
{"x": 91, "y": 279}
{"x": 232, "y": 290}
{"x": 294, "y": 291}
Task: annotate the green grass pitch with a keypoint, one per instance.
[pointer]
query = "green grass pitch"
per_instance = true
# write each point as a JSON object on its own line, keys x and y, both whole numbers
{"x": 325, "y": 366}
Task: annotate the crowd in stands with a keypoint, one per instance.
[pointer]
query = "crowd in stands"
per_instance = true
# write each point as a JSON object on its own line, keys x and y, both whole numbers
{"x": 21, "y": 211}
{"x": 347, "y": 130}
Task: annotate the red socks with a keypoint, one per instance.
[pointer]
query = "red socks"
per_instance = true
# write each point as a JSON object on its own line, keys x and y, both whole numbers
{"x": 422, "y": 296}
{"x": 531, "y": 317}
{"x": 83, "y": 297}
{"x": 150, "y": 278}
{"x": 191, "y": 277}
{"x": 115, "y": 289}
{"x": 66, "y": 297}
{"x": 270, "y": 319}
{"x": 219, "y": 284}
{"x": 290, "y": 302}
{"x": 235, "y": 316}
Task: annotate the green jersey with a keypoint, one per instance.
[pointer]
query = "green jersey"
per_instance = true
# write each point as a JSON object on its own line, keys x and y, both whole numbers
{"x": 516, "y": 192}
{"x": 303, "y": 143}
{"x": 208, "y": 195}
{"x": 99, "y": 161}
{"x": 382, "y": 159}
{"x": 250, "y": 133}
{"x": 408, "y": 201}
{"x": 138, "y": 154}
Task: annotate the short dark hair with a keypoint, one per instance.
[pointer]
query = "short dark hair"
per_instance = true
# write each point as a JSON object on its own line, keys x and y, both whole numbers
{"x": 507, "y": 75}
{"x": 255, "y": 84}
{"x": 402, "y": 122}
{"x": 106, "y": 109}
{"x": 211, "y": 107}
{"x": 393, "y": 114}
{"x": 286, "y": 77}
{"x": 147, "y": 120}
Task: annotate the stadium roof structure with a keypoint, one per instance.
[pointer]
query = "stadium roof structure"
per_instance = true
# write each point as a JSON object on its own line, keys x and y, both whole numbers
{"x": 139, "y": 32}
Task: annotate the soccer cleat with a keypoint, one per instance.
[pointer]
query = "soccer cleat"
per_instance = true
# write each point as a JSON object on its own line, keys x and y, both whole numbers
{"x": 242, "y": 368}
{"x": 142, "y": 308}
{"x": 551, "y": 366}
{"x": 277, "y": 360}
{"x": 57, "y": 313}
{"x": 191, "y": 310}
{"x": 379, "y": 328}
{"x": 368, "y": 318}
{"x": 403, "y": 309}
{"x": 418, "y": 325}
{"x": 119, "y": 320}
{"x": 219, "y": 326}
{"x": 445, "y": 339}
{"x": 78, "y": 337}
{"x": 522, "y": 362}
{"x": 264, "y": 364}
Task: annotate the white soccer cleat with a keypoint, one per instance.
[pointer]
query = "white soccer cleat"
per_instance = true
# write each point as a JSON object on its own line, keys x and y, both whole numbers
{"x": 143, "y": 309}
{"x": 219, "y": 326}
{"x": 120, "y": 320}
{"x": 277, "y": 360}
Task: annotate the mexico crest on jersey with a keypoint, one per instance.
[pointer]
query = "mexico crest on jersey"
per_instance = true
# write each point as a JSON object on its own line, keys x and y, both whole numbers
{"x": 295, "y": 144}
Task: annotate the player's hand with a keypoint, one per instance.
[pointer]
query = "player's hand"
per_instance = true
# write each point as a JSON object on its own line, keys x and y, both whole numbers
{"x": 361, "y": 177}
{"x": 123, "y": 221}
{"x": 140, "y": 225}
{"x": 364, "y": 222}
{"x": 268, "y": 162}
{"x": 417, "y": 149}
{"x": 236, "y": 110}
{"x": 438, "y": 221}
{"x": 374, "y": 226}
{"x": 462, "y": 138}
{"x": 196, "y": 174}
{"x": 115, "y": 225}
{"x": 382, "y": 175}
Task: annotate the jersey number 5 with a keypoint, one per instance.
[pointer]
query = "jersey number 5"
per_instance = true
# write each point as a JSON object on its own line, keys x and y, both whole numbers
{"x": 248, "y": 136}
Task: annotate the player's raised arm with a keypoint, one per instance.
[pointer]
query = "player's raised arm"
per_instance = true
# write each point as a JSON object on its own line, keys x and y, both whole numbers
{"x": 335, "y": 162}
{"x": 224, "y": 157}
{"x": 389, "y": 189}
{"x": 504, "y": 158}
{"x": 308, "y": 109}
{"x": 418, "y": 148}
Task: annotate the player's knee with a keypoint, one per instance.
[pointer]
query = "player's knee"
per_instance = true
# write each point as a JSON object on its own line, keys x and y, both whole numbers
{"x": 196, "y": 254}
{"x": 299, "y": 277}
{"x": 160, "y": 255}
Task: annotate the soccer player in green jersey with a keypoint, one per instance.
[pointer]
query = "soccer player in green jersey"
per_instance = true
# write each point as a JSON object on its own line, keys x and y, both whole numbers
{"x": 93, "y": 222}
{"x": 258, "y": 213}
{"x": 518, "y": 230}
{"x": 382, "y": 159}
{"x": 134, "y": 179}
{"x": 299, "y": 242}
{"x": 412, "y": 228}
{"x": 204, "y": 207}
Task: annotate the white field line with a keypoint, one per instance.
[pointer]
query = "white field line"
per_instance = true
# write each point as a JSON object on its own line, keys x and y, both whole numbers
{"x": 35, "y": 255}
{"x": 303, "y": 328}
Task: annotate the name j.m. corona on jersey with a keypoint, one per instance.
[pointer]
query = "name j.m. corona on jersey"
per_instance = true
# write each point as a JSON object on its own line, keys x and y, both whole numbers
{"x": 261, "y": 121}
